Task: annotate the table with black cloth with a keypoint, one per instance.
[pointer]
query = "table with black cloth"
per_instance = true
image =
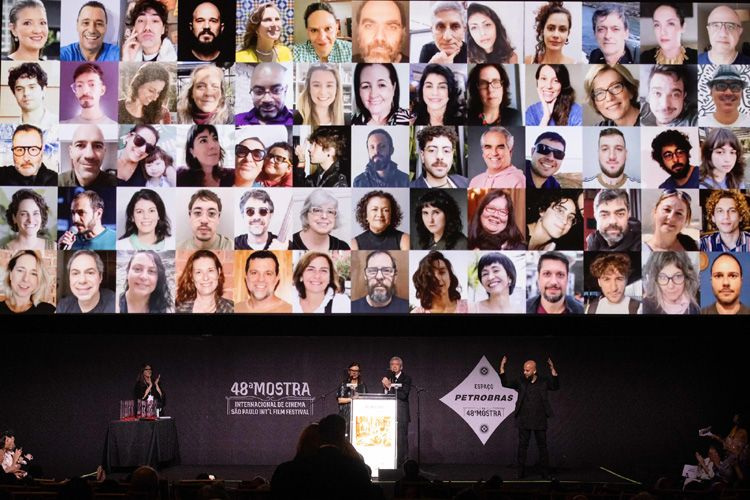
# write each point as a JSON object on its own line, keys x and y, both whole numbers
{"x": 141, "y": 442}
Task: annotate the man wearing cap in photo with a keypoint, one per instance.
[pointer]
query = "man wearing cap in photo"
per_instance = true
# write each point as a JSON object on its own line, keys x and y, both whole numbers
{"x": 726, "y": 87}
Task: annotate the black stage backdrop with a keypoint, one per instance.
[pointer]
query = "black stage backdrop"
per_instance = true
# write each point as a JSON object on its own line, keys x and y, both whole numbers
{"x": 622, "y": 400}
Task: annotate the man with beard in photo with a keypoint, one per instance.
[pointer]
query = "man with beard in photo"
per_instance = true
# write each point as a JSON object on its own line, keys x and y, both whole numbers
{"x": 552, "y": 281}
{"x": 380, "y": 278}
{"x": 671, "y": 150}
{"x": 256, "y": 207}
{"x": 380, "y": 170}
{"x": 436, "y": 150}
{"x": 380, "y": 32}
{"x": 86, "y": 229}
{"x": 726, "y": 283}
{"x": 726, "y": 87}
{"x": 616, "y": 231}
{"x": 206, "y": 36}
{"x": 613, "y": 153}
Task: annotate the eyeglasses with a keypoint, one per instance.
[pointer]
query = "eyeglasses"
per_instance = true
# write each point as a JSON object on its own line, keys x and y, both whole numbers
{"x": 80, "y": 87}
{"x": 387, "y": 272}
{"x": 263, "y": 211}
{"x": 670, "y": 155}
{"x": 545, "y": 150}
{"x": 353, "y": 371}
{"x": 241, "y": 151}
{"x": 735, "y": 87}
{"x": 277, "y": 158}
{"x": 318, "y": 212}
{"x": 677, "y": 279}
{"x": 21, "y": 150}
{"x": 139, "y": 142}
{"x": 614, "y": 89}
{"x": 503, "y": 212}
{"x": 674, "y": 192}
{"x": 717, "y": 25}
{"x": 495, "y": 84}
{"x": 276, "y": 91}
{"x": 563, "y": 214}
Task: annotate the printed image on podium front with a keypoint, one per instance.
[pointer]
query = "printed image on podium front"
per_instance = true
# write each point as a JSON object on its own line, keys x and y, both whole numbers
{"x": 373, "y": 430}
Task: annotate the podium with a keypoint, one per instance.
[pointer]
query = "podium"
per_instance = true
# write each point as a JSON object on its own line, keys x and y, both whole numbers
{"x": 373, "y": 430}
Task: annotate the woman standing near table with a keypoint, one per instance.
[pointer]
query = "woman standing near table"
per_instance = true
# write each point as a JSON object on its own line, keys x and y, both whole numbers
{"x": 146, "y": 385}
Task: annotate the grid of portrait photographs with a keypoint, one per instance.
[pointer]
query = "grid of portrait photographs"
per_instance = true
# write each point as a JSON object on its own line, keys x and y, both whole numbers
{"x": 374, "y": 157}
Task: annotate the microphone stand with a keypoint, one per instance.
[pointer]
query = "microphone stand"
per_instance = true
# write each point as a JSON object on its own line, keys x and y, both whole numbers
{"x": 325, "y": 395}
{"x": 419, "y": 426}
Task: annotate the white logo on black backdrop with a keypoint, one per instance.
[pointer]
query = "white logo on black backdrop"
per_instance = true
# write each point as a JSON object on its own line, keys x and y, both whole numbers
{"x": 270, "y": 398}
{"x": 481, "y": 400}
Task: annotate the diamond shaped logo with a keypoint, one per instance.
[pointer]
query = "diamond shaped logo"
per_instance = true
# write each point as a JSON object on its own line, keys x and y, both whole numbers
{"x": 481, "y": 400}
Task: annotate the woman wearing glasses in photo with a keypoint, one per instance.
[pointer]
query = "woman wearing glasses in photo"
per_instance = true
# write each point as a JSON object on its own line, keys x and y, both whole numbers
{"x": 248, "y": 156}
{"x": 553, "y": 24}
{"x": 201, "y": 285}
{"x": 379, "y": 214}
{"x": 321, "y": 101}
{"x": 489, "y": 97}
{"x": 488, "y": 40}
{"x": 26, "y": 285}
{"x": 612, "y": 91}
{"x": 670, "y": 284}
{"x": 319, "y": 217}
{"x": 204, "y": 158}
{"x": 262, "y": 35}
{"x": 27, "y": 22}
{"x": 318, "y": 286}
{"x": 377, "y": 93}
{"x": 27, "y": 215}
{"x": 671, "y": 215}
{"x": 556, "y": 105}
{"x": 349, "y": 389}
{"x": 277, "y": 167}
{"x": 139, "y": 143}
{"x": 497, "y": 275}
{"x": 723, "y": 165}
{"x": 669, "y": 25}
{"x": 147, "y": 225}
{"x": 493, "y": 226}
{"x": 204, "y": 101}
{"x": 552, "y": 215}
{"x": 437, "y": 287}
{"x": 148, "y": 95}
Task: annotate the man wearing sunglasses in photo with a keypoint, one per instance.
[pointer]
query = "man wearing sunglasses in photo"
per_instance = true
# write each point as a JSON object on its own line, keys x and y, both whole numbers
{"x": 257, "y": 208}
{"x": 268, "y": 90}
{"x": 139, "y": 142}
{"x": 671, "y": 150}
{"x": 726, "y": 88}
{"x": 546, "y": 159}
{"x": 28, "y": 167}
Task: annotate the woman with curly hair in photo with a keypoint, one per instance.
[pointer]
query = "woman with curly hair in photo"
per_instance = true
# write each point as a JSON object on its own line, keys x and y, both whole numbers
{"x": 437, "y": 287}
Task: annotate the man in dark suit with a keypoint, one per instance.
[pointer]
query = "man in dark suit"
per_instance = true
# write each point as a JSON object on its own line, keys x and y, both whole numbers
{"x": 397, "y": 376}
{"x": 532, "y": 410}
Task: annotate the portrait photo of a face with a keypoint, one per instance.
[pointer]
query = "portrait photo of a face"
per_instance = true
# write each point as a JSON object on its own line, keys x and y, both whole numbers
{"x": 86, "y": 279}
{"x": 497, "y": 282}
{"x": 440, "y": 152}
{"x": 722, "y": 280}
{"x": 674, "y": 214}
{"x": 546, "y": 162}
{"x": 611, "y": 33}
{"x": 438, "y": 219}
{"x": 492, "y": 36}
{"x": 612, "y": 283}
{"x": 205, "y": 224}
{"x": 554, "y": 282}
{"x": 554, "y": 219}
{"x": 86, "y": 214}
{"x": 438, "y": 94}
{"x": 257, "y": 280}
{"x": 30, "y": 93}
{"x": 89, "y": 92}
{"x": 204, "y": 150}
{"x": 323, "y": 33}
{"x": 554, "y": 32}
{"x": 262, "y": 212}
{"x": 438, "y": 281}
{"x": 146, "y": 281}
{"x": 323, "y": 212}
{"x": 93, "y": 147}
{"x": 723, "y": 95}
{"x": 380, "y": 215}
{"x": 146, "y": 218}
{"x": 495, "y": 150}
{"x": 553, "y": 95}
{"x": 33, "y": 27}
{"x": 264, "y": 24}
{"x": 29, "y": 279}
{"x": 205, "y": 281}
{"x": 323, "y": 93}
{"x": 150, "y": 31}
{"x": 90, "y": 30}
{"x": 380, "y": 286}
{"x": 270, "y": 94}
{"x": 612, "y": 219}
{"x": 610, "y": 153}
{"x": 30, "y": 221}
{"x": 206, "y": 30}
{"x": 148, "y": 92}
{"x": 497, "y": 219}
{"x": 721, "y": 33}
{"x": 205, "y": 93}
{"x": 667, "y": 30}
{"x": 380, "y": 31}
{"x": 252, "y": 146}
{"x": 325, "y": 152}
{"x": 671, "y": 95}
{"x": 140, "y": 163}
{"x": 677, "y": 165}
{"x": 387, "y": 148}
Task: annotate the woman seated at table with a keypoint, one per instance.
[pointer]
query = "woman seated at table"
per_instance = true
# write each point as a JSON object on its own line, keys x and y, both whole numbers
{"x": 379, "y": 214}
{"x": 26, "y": 284}
{"x": 671, "y": 284}
{"x": 319, "y": 217}
{"x": 146, "y": 287}
{"x": 556, "y": 105}
{"x": 201, "y": 285}
{"x": 147, "y": 225}
{"x": 437, "y": 287}
{"x": 27, "y": 215}
{"x": 146, "y": 386}
{"x": 318, "y": 286}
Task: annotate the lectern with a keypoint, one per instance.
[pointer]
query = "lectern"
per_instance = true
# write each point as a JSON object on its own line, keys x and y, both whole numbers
{"x": 373, "y": 430}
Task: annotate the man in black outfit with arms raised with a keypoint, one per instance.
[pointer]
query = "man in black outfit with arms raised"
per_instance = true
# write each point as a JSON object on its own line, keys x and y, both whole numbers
{"x": 532, "y": 410}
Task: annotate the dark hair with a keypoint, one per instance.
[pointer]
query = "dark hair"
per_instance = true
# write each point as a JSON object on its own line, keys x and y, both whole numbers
{"x": 426, "y": 134}
{"x": 149, "y": 72}
{"x": 551, "y": 136}
{"x": 498, "y": 258}
{"x": 160, "y": 299}
{"x": 567, "y": 97}
{"x": 361, "y": 210}
{"x": 88, "y": 67}
{"x": 17, "y": 7}
{"x": 257, "y": 194}
{"x": 348, "y": 378}
{"x": 476, "y": 107}
{"x": 731, "y": 256}
{"x": 674, "y": 6}
{"x": 669, "y": 136}
{"x": 90, "y": 253}
{"x": 611, "y": 131}
{"x": 186, "y": 290}
{"x": 304, "y": 261}
{"x": 142, "y": 6}
{"x": 314, "y": 7}
{"x": 540, "y": 22}
{"x": 157, "y": 154}
{"x": 95, "y": 4}
{"x": 502, "y": 50}
{"x": 163, "y": 226}
{"x": 328, "y": 137}
{"x": 332, "y": 429}
{"x": 151, "y": 128}
{"x": 191, "y": 161}
{"x": 510, "y": 237}
{"x": 27, "y": 70}
{"x": 15, "y": 203}
{"x": 717, "y": 138}
{"x": 399, "y": 4}
{"x": 380, "y": 252}
{"x": 426, "y": 284}
{"x": 27, "y": 127}
{"x": 262, "y": 254}
{"x": 204, "y": 194}
{"x": 382, "y": 132}
{"x": 140, "y": 377}
{"x": 444, "y": 202}
{"x": 97, "y": 203}
{"x": 605, "y": 10}
{"x": 607, "y": 195}
{"x": 554, "y": 255}
{"x": 392, "y": 75}
{"x": 453, "y": 112}
{"x": 676, "y": 71}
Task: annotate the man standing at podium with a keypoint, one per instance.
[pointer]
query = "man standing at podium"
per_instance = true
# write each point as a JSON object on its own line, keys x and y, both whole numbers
{"x": 532, "y": 410}
{"x": 397, "y": 376}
